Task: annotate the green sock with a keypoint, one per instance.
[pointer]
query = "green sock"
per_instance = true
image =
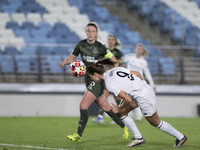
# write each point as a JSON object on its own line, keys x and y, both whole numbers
{"x": 115, "y": 118}
{"x": 83, "y": 121}
{"x": 101, "y": 112}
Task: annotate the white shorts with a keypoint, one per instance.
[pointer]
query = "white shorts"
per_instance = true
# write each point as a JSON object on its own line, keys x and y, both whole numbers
{"x": 147, "y": 103}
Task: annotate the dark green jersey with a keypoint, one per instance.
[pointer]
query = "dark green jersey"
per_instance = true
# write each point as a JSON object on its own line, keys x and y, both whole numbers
{"x": 117, "y": 53}
{"x": 90, "y": 53}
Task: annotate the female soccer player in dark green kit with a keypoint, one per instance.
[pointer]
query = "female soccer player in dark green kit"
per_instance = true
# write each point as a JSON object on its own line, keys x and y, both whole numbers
{"x": 91, "y": 51}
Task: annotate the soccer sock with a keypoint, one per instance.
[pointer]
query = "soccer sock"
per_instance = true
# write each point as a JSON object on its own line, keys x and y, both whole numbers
{"x": 101, "y": 111}
{"x": 115, "y": 118}
{"x": 167, "y": 128}
{"x": 83, "y": 121}
{"x": 129, "y": 122}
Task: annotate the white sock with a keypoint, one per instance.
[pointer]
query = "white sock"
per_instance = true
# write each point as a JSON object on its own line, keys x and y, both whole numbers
{"x": 167, "y": 128}
{"x": 100, "y": 116}
{"x": 129, "y": 122}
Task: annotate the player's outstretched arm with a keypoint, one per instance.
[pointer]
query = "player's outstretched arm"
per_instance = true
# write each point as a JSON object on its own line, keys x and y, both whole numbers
{"x": 68, "y": 60}
{"x": 126, "y": 101}
{"x": 137, "y": 74}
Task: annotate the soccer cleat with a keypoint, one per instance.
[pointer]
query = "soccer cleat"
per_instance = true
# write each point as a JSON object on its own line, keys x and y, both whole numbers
{"x": 125, "y": 134}
{"x": 74, "y": 137}
{"x": 179, "y": 143}
{"x": 98, "y": 120}
{"x": 136, "y": 142}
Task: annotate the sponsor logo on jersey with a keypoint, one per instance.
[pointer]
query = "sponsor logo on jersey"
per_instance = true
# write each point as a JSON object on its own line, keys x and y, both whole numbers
{"x": 95, "y": 51}
{"x": 89, "y": 59}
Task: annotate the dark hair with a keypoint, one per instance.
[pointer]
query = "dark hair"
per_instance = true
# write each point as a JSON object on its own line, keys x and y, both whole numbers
{"x": 98, "y": 66}
{"x": 92, "y": 24}
{"x": 116, "y": 43}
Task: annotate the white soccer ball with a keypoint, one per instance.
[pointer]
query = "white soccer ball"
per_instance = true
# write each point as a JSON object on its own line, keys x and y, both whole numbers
{"x": 77, "y": 68}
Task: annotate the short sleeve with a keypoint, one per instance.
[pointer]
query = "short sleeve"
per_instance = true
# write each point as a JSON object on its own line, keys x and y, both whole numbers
{"x": 104, "y": 50}
{"x": 76, "y": 50}
{"x": 112, "y": 88}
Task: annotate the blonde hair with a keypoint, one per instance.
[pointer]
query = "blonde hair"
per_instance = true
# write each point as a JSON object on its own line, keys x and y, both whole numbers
{"x": 94, "y": 24}
{"x": 146, "y": 52}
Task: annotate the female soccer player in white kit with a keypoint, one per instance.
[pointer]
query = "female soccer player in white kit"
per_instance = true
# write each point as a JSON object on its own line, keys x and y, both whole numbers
{"x": 135, "y": 92}
{"x": 136, "y": 61}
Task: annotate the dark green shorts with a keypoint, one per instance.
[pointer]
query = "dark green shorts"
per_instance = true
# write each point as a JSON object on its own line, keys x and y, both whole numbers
{"x": 96, "y": 88}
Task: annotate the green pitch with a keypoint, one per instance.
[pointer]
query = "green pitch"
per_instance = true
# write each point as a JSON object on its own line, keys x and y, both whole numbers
{"x": 33, "y": 133}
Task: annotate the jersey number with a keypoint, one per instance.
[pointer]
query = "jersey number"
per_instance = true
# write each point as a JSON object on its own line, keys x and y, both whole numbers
{"x": 124, "y": 74}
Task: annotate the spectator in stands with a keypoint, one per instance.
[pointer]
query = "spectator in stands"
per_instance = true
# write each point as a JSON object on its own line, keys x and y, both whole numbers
{"x": 112, "y": 43}
{"x": 136, "y": 61}
{"x": 91, "y": 50}
{"x": 132, "y": 88}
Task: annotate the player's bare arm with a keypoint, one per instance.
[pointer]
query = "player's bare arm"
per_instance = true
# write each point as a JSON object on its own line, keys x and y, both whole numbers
{"x": 124, "y": 65}
{"x": 137, "y": 74}
{"x": 68, "y": 60}
{"x": 114, "y": 60}
{"x": 127, "y": 100}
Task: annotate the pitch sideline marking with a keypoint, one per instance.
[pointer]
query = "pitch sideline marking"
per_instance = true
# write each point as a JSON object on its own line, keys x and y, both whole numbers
{"x": 28, "y": 146}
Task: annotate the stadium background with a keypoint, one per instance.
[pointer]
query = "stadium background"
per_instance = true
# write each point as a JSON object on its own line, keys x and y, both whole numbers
{"x": 36, "y": 35}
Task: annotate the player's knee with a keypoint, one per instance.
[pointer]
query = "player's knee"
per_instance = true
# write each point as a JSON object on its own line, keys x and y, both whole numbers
{"x": 106, "y": 109}
{"x": 82, "y": 106}
{"x": 154, "y": 123}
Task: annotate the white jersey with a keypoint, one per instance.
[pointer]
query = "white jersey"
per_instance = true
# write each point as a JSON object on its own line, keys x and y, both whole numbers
{"x": 119, "y": 79}
{"x": 140, "y": 65}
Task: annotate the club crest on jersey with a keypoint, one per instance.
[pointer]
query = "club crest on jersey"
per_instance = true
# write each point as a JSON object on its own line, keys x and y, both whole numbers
{"x": 95, "y": 51}
{"x": 91, "y": 85}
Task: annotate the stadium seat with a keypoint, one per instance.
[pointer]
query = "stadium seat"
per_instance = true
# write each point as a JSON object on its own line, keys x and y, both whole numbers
{"x": 7, "y": 33}
{"x": 7, "y": 64}
{"x": 29, "y": 50}
{"x": 34, "y": 17}
{"x": 50, "y": 18}
{"x": 17, "y": 42}
{"x": 167, "y": 66}
{"x": 28, "y": 25}
{"x": 38, "y": 33}
{"x": 44, "y": 26}
{"x": 22, "y": 33}
{"x": 11, "y": 50}
{"x": 60, "y": 51}
{"x": 18, "y": 17}
{"x": 23, "y": 64}
{"x": 12, "y": 25}
{"x": 144, "y": 10}
{"x": 44, "y": 50}
{"x": 10, "y": 9}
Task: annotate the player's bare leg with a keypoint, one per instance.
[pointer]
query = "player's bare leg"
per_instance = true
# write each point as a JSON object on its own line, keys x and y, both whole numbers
{"x": 87, "y": 100}
{"x": 100, "y": 116}
{"x": 129, "y": 122}
{"x": 104, "y": 104}
{"x": 155, "y": 121}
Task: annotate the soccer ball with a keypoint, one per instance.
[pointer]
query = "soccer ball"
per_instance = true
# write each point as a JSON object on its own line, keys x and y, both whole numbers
{"x": 77, "y": 68}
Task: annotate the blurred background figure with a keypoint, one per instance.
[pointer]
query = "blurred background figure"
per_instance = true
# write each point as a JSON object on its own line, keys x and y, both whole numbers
{"x": 136, "y": 61}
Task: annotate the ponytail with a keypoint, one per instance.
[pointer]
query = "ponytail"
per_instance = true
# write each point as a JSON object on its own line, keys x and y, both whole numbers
{"x": 98, "y": 67}
{"x": 106, "y": 61}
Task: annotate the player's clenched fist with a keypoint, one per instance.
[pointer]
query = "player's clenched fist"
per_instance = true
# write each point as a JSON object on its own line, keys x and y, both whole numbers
{"x": 62, "y": 64}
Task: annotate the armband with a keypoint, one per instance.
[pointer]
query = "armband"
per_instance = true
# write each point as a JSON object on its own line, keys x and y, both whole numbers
{"x": 108, "y": 55}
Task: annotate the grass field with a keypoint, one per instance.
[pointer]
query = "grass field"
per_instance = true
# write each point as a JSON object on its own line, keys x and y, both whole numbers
{"x": 31, "y": 133}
